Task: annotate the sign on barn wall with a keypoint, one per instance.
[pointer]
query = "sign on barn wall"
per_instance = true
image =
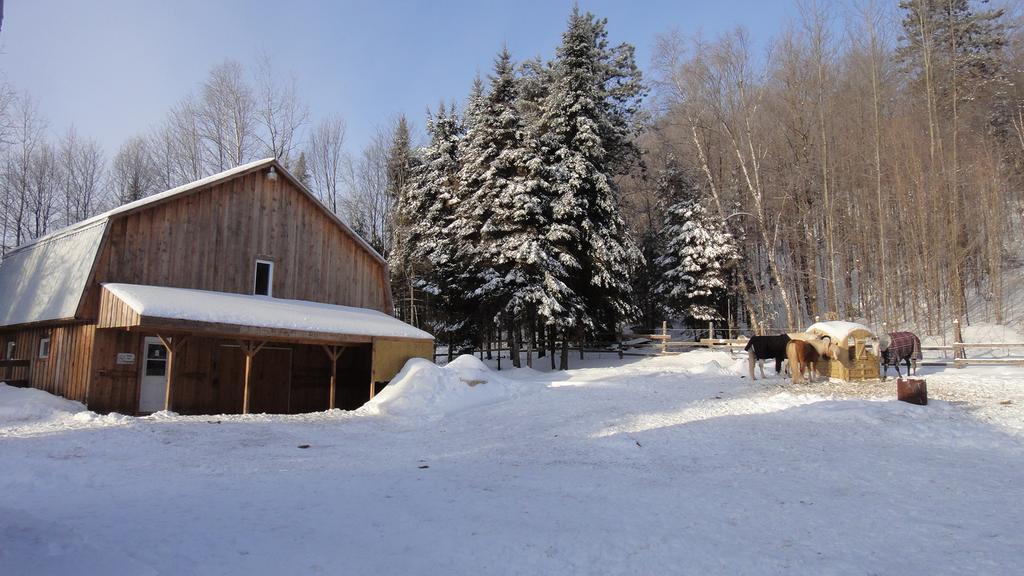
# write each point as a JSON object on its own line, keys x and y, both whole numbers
{"x": 125, "y": 358}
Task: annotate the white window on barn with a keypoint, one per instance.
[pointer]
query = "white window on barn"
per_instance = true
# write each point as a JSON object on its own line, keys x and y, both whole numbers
{"x": 44, "y": 346}
{"x": 11, "y": 345}
{"x": 263, "y": 283}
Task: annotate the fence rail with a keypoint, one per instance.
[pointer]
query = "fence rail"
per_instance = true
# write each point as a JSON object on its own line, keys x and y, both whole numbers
{"x": 674, "y": 341}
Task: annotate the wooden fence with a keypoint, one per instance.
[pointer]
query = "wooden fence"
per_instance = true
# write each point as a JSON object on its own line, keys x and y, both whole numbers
{"x": 959, "y": 349}
{"x": 667, "y": 346}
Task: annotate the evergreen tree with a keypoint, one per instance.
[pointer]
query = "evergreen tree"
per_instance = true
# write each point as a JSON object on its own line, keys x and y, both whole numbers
{"x": 948, "y": 36}
{"x": 503, "y": 223}
{"x": 698, "y": 251}
{"x": 428, "y": 205}
{"x": 300, "y": 169}
{"x": 400, "y": 162}
{"x": 400, "y": 159}
{"x": 588, "y": 124}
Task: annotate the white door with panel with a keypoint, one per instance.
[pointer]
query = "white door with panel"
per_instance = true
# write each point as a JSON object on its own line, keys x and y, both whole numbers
{"x": 153, "y": 383}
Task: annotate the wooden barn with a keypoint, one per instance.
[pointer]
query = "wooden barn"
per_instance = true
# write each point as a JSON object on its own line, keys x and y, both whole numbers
{"x": 858, "y": 351}
{"x": 237, "y": 293}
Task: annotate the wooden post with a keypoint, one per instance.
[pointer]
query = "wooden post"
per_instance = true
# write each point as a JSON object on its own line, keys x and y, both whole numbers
{"x": 711, "y": 330}
{"x": 250, "y": 349}
{"x": 333, "y": 352}
{"x": 958, "y": 340}
{"x": 664, "y": 332}
{"x": 172, "y": 344}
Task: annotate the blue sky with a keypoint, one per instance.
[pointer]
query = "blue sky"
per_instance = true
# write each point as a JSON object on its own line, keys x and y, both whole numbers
{"x": 113, "y": 67}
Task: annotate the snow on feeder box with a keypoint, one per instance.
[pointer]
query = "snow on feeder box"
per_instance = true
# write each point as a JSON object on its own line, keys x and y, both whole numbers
{"x": 857, "y": 356}
{"x": 912, "y": 390}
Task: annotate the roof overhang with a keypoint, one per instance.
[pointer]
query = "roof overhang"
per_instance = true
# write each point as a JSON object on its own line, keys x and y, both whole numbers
{"x": 166, "y": 310}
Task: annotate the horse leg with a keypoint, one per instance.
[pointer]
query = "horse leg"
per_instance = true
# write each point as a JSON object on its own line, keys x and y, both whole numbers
{"x": 750, "y": 363}
{"x": 908, "y": 367}
{"x": 761, "y": 365}
{"x": 898, "y": 373}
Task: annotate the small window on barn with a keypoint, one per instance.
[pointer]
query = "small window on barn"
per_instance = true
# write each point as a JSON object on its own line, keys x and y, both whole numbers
{"x": 11, "y": 345}
{"x": 44, "y": 346}
{"x": 264, "y": 281}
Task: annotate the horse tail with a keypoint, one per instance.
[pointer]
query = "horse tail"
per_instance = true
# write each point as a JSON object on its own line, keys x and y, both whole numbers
{"x": 917, "y": 348}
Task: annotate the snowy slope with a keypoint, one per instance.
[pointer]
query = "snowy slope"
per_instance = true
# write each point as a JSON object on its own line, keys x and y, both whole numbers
{"x": 662, "y": 465}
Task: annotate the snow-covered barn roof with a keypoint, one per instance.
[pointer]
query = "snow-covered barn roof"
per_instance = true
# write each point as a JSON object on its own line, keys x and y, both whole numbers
{"x": 159, "y": 304}
{"x": 43, "y": 280}
{"x": 839, "y": 331}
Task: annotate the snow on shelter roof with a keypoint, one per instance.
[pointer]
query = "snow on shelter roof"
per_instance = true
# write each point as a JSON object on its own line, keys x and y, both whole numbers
{"x": 839, "y": 331}
{"x": 260, "y": 311}
{"x": 45, "y": 280}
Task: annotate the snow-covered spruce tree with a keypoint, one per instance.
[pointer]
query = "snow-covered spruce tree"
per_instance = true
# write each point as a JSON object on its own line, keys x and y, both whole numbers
{"x": 587, "y": 129}
{"x": 693, "y": 270}
{"x": 503, "y": 220}
{"x": 429, "y": 205}
{"x": 400, "y": 166}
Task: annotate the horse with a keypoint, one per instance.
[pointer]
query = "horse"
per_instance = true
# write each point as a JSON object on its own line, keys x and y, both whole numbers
{"x": 802, "y": 356}
{"x": 761, "y": 348}
{"x": 896, "y": 347}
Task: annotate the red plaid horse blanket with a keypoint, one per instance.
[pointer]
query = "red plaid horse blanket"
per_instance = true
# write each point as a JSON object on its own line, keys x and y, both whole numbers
{"x": 903, "y": 345}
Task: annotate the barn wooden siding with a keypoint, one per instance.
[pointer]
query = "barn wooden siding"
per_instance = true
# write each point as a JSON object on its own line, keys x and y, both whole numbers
{"x": 210, "y": 240}
{"x": 208, "y": 376}
{"x": 391, "y": 354}
{"x": 66, "y": 371}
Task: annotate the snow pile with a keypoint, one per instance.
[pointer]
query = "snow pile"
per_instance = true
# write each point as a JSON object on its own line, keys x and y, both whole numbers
{"x": 423, "y": 389}
{"x": 26, "y": 405}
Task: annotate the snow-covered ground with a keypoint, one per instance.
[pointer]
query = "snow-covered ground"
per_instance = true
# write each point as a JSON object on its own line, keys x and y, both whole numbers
{"x": 638, "y": 466}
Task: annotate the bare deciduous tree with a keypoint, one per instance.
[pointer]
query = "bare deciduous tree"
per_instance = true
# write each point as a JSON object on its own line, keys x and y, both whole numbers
{"x": 280, "y": 111}
{"x": 326, "y": 160}
{"x": 227, "y": 114}
{"x": 132, "y": 173}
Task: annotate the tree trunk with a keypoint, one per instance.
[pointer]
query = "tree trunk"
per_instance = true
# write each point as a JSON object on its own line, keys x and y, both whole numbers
{"x": 564, "y": 361}
{"x": 551, "y": 344}
{"x": 533, "y": 339}
{"x": 514, "y": 337}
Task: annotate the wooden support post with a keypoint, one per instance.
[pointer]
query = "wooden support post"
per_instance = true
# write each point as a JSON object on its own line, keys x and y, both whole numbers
{"x": 334, "y": 352}
{"x": 250, "y": 349}
{"x": 172, "y": 344}
{"x": 959, "y": 351}
{"x": 664, "y": 332}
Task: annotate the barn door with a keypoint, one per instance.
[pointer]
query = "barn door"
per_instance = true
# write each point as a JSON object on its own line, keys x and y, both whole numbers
{"x": 153, "y": 383}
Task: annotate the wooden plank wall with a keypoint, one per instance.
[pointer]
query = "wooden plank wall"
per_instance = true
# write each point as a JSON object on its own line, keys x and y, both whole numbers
{"x": 287, "y": 378}
{"x": 66, "y": 371}
{"x": 115, "y": 313}
{"x": 389, "y": 356}
{"x": 115, "y": 387}
{"x": 210, "y": 240}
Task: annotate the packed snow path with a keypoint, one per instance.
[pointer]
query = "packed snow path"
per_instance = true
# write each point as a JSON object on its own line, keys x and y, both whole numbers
{"x": 643, "y": 466}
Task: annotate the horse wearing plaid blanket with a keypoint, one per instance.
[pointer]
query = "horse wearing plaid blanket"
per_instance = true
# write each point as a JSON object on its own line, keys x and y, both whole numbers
{"x": 897, "y": 347}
